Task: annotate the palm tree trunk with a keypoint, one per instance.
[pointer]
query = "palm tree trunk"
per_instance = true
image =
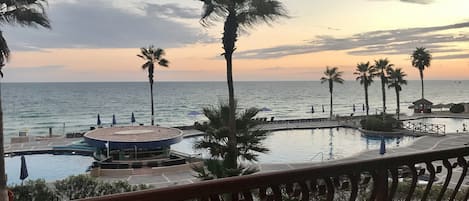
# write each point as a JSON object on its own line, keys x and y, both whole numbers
{"x": 229, "y": 39}
{"x": 331, "y": 87}
{"x": 366, "y": 100}
{"x": 152, "y": 105}
{"x": 383, "y": 89}
{"x": 398, "y": 107}
{"x": 421, "y": 79}
{"x": 3, "y": 182}
{"x": 330, "y": 112}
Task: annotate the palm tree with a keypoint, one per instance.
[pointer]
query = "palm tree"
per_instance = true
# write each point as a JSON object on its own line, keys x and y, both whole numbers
{"x": 29, "y": 13}
{"x": 152, "y": 55}
{"x": 332, "y": 75}
{"x": 396, "y": 79}
{"x": 365, "y": 74}
{"x": 239, "y": 14}
{"x": 421, "y": 59}
{"x": 248, "y": 138}
{"x": 381, "y": 67}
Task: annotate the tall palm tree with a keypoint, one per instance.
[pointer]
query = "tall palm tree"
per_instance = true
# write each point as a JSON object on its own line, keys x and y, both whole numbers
{"x": 249, "y": 141}
{"x": 396, "y": 80}
{"x": 365, "y": 74}
{"x": 152, "y": 55}
{"x": 29, "y": 13}
{"x": 381, "y": 67}
{"x": 332, "y": 75}
{"x": 421, "y": 59}
{"x": 237, "y": 15}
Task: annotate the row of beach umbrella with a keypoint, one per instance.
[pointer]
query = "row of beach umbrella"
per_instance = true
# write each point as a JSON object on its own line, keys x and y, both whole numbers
{"x": 353, "y": 108}
{"x": 114, "y": 122}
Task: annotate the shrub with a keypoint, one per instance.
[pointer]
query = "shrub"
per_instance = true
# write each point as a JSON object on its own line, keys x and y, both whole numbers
{"x": 376, "y": 123}
{"x": 33, "y": 190}
{"x": 82, "y": 186}
{"x": 457, "y": 108}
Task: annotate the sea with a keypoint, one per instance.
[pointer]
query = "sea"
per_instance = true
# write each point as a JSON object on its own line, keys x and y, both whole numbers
{"x": 73, "y": 107}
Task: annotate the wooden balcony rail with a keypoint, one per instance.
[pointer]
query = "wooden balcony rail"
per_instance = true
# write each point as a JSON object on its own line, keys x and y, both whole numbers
{"x": 382, "y": 179}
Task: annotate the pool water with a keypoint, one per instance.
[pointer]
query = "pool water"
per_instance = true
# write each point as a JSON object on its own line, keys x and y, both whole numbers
{"x": 46, "y": 166}
{"x": 310, "y": 145}
{"x": 453, "y": 125}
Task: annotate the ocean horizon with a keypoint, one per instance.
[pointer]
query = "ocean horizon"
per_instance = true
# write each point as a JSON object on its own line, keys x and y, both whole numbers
{"x": 185, "y": 81}
{"x": 73, "y": 106}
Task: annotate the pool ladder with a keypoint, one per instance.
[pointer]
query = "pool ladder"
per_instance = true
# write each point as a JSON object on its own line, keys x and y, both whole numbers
{"x": 316, "y": 155}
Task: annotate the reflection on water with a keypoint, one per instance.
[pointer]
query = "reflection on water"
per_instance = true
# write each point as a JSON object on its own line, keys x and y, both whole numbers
{"x": 295, "y": 146}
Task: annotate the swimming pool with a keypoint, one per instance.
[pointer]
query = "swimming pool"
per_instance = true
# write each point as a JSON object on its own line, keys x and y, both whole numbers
{"x": 46, "y": 166}
{"x": 310, "y": 145}
{"x": 453, "y": 125}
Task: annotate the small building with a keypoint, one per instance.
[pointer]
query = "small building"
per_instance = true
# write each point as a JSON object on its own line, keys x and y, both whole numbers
{"x": 422, "y": 106}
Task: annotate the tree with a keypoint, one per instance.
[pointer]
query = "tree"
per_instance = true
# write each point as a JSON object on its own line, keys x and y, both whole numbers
{"x": 248, "y": 142}
{"x": 332, "y": 75}
{"x": 152, "y": 55}
{"x": 421, "y": 59}
{"x": 365, "y": 74}
{"x": 237, "y": 15}
{"x": 381, "y": 67}
{"x": 396, "y": 80}
{"x": 29, "y": 13}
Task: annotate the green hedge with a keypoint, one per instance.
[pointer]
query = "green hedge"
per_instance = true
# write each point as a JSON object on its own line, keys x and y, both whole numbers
{"x": 457, "y": 108}
{"x": 376, "y": 123}
{"x": 73, "y": 187}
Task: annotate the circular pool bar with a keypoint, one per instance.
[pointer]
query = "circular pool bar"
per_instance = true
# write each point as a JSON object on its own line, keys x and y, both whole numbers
{"x": 130, "y": 137}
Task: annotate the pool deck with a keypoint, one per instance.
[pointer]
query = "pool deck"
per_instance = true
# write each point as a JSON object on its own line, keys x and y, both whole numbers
{"x": 170, "y": 177}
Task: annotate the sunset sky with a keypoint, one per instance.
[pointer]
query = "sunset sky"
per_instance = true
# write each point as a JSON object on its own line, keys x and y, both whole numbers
{"x": 98, "y": 40}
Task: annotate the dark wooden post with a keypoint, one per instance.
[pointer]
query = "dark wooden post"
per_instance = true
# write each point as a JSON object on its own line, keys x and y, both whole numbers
{"x": 382, "y": 184}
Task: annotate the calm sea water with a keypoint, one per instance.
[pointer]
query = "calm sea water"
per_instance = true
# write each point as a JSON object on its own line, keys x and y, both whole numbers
{"x": 38, "y": 106}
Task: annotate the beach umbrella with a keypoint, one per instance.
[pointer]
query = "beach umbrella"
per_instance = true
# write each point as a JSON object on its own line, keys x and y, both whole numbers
{"x": 382, "y": 148}
{"x": 353, "y": 107}
{"x": 312, "y": 109}
{"x": 24, "y": 169}
{"x": 99, "y": 121}
{"x": 322, "y": 108}
{"x": 114, "y": 120}
{"x": 264, "y": 109}
{"x": 132, "y": 118}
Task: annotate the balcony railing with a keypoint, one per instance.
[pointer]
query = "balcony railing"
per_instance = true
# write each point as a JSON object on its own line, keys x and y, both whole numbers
{"x": 385, "y": 178}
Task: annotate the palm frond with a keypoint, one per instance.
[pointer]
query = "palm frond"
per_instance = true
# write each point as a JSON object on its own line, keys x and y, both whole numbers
{"x": 421, "y": 58}
{"x": 163, "y": 63}
{"x": 255, "y": 11}
{"x": 25, "y": 13}
{"x": 213, "y": 10}
{"x": 4, "y": 52}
